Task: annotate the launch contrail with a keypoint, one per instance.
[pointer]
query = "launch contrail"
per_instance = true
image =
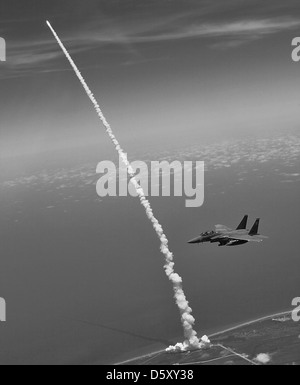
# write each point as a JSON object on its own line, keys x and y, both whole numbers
{"x": 188, "y": 321}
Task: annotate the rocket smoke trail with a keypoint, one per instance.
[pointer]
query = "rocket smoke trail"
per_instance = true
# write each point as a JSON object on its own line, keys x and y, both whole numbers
{"x": 188, "y": 321}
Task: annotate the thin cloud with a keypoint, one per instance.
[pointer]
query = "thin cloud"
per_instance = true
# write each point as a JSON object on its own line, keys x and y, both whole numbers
{"x": 40, "y": 55}
{"x": 247, "y": 28}
{"x": 27, "y": 58}
{"x": 233, "y": 33}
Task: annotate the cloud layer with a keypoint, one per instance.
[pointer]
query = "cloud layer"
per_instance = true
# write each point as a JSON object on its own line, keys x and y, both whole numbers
{"x": 251, "y": 153}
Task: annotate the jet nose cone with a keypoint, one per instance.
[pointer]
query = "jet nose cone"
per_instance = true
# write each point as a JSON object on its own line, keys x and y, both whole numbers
{"x": 195, "y": 240}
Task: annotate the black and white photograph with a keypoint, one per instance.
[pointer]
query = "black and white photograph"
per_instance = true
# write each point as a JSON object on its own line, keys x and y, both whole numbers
{"x": 149, "y": 185}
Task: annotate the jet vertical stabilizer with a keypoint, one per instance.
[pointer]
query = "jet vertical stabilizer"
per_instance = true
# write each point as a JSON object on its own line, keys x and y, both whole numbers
{"x": 254, "y": 230}
{"x": 243, "y": 224}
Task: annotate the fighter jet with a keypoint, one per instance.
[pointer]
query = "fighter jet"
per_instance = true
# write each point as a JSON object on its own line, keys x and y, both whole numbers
{"x": 228, "y": 237}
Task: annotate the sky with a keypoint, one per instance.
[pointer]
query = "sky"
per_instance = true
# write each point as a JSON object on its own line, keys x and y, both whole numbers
{"x": 168, "y": 74}
{"x": 164, "y": 71}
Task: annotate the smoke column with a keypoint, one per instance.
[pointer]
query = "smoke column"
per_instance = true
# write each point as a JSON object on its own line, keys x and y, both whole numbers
{"x": 188, "y": 321}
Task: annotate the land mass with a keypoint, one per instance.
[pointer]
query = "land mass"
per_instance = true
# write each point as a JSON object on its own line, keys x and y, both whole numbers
{"x": 272, "y": 340}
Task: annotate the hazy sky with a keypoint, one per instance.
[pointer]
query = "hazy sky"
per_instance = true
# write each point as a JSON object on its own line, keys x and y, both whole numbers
{"x": 163, "y": 70}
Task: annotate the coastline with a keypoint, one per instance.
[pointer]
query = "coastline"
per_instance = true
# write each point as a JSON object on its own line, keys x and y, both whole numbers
{"x": 265, "y": 318}
{"x": 216, "y": 334}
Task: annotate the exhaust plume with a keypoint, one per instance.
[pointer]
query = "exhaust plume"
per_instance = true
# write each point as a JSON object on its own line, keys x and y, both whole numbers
{"x": 188, "y": 321}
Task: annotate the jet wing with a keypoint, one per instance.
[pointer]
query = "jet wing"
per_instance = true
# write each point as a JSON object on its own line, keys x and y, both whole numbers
{"x": 248, "y": 238}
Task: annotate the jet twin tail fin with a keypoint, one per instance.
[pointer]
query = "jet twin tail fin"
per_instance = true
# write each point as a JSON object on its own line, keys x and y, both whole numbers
{"x": 254, "y": 230}
{"x": 243, "y": 224}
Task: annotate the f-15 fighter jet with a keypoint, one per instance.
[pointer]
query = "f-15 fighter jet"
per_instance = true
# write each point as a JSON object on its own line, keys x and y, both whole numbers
{"x": 228, "y": 237}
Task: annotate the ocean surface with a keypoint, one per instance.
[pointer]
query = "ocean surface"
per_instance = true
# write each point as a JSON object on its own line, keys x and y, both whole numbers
{"x": 83, "y": 276}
